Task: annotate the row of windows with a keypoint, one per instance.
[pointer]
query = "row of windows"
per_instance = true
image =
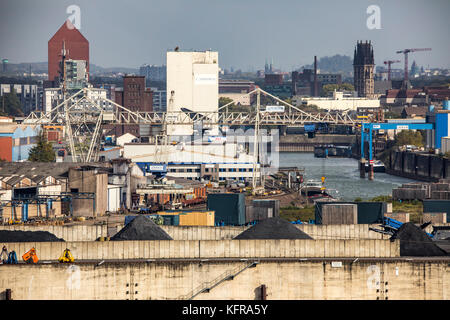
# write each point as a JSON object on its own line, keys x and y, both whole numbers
{"x": 133, "y": 86}
{"x": 235, "y": 170}
{"x": 134, "y": 94}
{"x": 213, "y": 170}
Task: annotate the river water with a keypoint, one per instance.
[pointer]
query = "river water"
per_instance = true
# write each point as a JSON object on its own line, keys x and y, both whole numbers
{"x": 342, "y": 175}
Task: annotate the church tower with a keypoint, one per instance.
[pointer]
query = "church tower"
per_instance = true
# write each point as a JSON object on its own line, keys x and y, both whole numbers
{"x": 363, "y": 67}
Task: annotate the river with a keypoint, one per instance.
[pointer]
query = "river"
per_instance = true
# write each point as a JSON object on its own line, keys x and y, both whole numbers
{"x": 342, "y": 175}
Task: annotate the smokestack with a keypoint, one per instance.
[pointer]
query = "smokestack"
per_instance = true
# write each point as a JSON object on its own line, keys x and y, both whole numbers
{"x": 315, "y": 77}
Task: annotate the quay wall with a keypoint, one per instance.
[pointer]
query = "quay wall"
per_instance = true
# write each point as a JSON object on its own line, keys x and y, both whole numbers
{"x": 192, "y": 249}
{"x": 423, "y": 167}
{"x": 289, "y": 280}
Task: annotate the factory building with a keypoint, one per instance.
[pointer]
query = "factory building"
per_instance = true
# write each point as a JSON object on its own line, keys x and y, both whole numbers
{"x": 337, "y": 102}
{"x": 214, "y": 162}
{"x": 17, "y": 140}
{"x": 237, "y": 90}
{"x": 192, "y": 83}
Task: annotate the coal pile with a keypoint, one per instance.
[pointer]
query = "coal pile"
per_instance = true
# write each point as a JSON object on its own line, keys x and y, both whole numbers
{"x": 141, "y": 228}
{"x": 27, "y": 236}
{"x": 415, "y": 242}
{"x": 273, "y": 228}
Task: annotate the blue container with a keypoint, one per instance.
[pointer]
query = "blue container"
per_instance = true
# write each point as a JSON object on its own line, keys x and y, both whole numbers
{"x": 445, "y": 105}
{"x": 310, "y": 127}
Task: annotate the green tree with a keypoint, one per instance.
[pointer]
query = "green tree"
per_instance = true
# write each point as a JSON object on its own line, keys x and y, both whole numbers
{"x": 10, "y": 105}
{"x": 42, "y": 152}
{"x": 406, "y": 137}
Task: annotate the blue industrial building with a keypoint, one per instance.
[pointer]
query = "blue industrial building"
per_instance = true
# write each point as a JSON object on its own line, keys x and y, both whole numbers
{"x": 17, "y": 140}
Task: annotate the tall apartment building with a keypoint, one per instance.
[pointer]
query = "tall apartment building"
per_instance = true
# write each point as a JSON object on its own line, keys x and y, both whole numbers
{"x": 192, "y": 83}
{"x": 76, "y": 45}
{"x": 363, "y": 67}
{"x": 26, "y": 93}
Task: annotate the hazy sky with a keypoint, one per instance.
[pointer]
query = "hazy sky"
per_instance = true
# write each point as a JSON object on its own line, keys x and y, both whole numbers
{"x": 130, "y": 33}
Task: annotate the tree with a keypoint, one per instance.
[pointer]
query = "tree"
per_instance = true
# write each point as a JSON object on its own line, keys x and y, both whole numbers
{"x": 10, "y": 105}
{"x": 42, "y": 152}
{"x": 408, "y": 137}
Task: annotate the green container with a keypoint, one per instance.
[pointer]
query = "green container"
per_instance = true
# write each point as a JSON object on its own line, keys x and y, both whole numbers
{"x": 229, "y": 208}
{"x": 437, "y": 206}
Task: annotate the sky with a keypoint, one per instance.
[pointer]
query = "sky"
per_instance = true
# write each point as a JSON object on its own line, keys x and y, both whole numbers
{"x": 246, "y": 33}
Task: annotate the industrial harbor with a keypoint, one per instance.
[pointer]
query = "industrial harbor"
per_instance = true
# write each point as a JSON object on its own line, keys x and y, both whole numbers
{"x": 192, "y": 181}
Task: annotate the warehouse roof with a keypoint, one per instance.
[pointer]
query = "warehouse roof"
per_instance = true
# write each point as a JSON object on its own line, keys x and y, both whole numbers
{"x": 31, "y": 169}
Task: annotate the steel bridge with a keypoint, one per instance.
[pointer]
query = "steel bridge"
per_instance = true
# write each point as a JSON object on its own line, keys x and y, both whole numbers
{"x": 85, "y": 110}
{"x": 83, "y": 116}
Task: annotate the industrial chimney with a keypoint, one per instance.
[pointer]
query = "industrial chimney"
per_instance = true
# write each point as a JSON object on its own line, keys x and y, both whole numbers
{"x": 316, "y": 93}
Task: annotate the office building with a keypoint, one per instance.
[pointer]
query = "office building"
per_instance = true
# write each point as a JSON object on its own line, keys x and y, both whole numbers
{"x": 75, "y": 44}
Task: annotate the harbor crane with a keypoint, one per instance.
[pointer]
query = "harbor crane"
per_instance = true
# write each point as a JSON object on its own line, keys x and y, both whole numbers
{"x": 405, "y": 52}
{"x": 389, "y": 63}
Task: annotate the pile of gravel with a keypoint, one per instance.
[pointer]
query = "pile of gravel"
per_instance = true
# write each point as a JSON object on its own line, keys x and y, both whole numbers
{"x": 273, "y": 228}
{"x": 141, "y": 228}
{"x": 27, "y": 236}
{"x": 415, "y": 242}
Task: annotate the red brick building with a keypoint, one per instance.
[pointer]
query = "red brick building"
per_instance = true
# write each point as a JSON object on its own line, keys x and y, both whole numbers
{"x": 77, "y": 48}
{"x": 135, "y": 97}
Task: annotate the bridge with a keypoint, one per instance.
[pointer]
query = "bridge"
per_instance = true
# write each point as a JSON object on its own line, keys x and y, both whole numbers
{"x": 83, "y": 116}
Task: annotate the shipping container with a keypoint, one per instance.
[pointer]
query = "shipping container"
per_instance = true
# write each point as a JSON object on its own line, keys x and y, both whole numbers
{"x": 188, "y": 218}
{"x": 343, "y": 213}
{"x": 368, "y": 212}
{"x": 229, "y": 208}
{"x": 197, "y": 218}
{"x": 430, "y": 206}
{"x": 262, "y": 209}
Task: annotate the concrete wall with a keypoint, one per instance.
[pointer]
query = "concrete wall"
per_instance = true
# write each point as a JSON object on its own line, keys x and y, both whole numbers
{"x": 295, "y": 280}
{"x": 68, "y": 233}
{"x": 92, "y": 232}
{"x": 111, "y": 250}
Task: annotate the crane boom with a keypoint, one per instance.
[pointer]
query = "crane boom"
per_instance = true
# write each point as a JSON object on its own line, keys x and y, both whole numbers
{"x": 405, "y": 52}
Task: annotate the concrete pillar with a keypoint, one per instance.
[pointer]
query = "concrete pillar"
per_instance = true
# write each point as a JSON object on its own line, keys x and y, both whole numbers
{"x": 362, "y": 168}
{"x": 370, "y": 172}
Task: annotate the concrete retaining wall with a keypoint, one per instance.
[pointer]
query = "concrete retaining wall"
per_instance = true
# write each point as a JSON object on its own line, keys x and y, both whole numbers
{"x": 91, "y": 233}
{"x": 111, "y": 250}
{"x": 290, "y": 280}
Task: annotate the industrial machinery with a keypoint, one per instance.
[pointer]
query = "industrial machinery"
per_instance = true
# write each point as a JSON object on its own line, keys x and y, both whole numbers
{"x": 4, "y": 255}
{"x": 390, "y": 227}
{"x": 66, "y": 256}
{"x": 12, "y": 258}
{"x": 30, "y": 256}
{"x": 389, "y": 63}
